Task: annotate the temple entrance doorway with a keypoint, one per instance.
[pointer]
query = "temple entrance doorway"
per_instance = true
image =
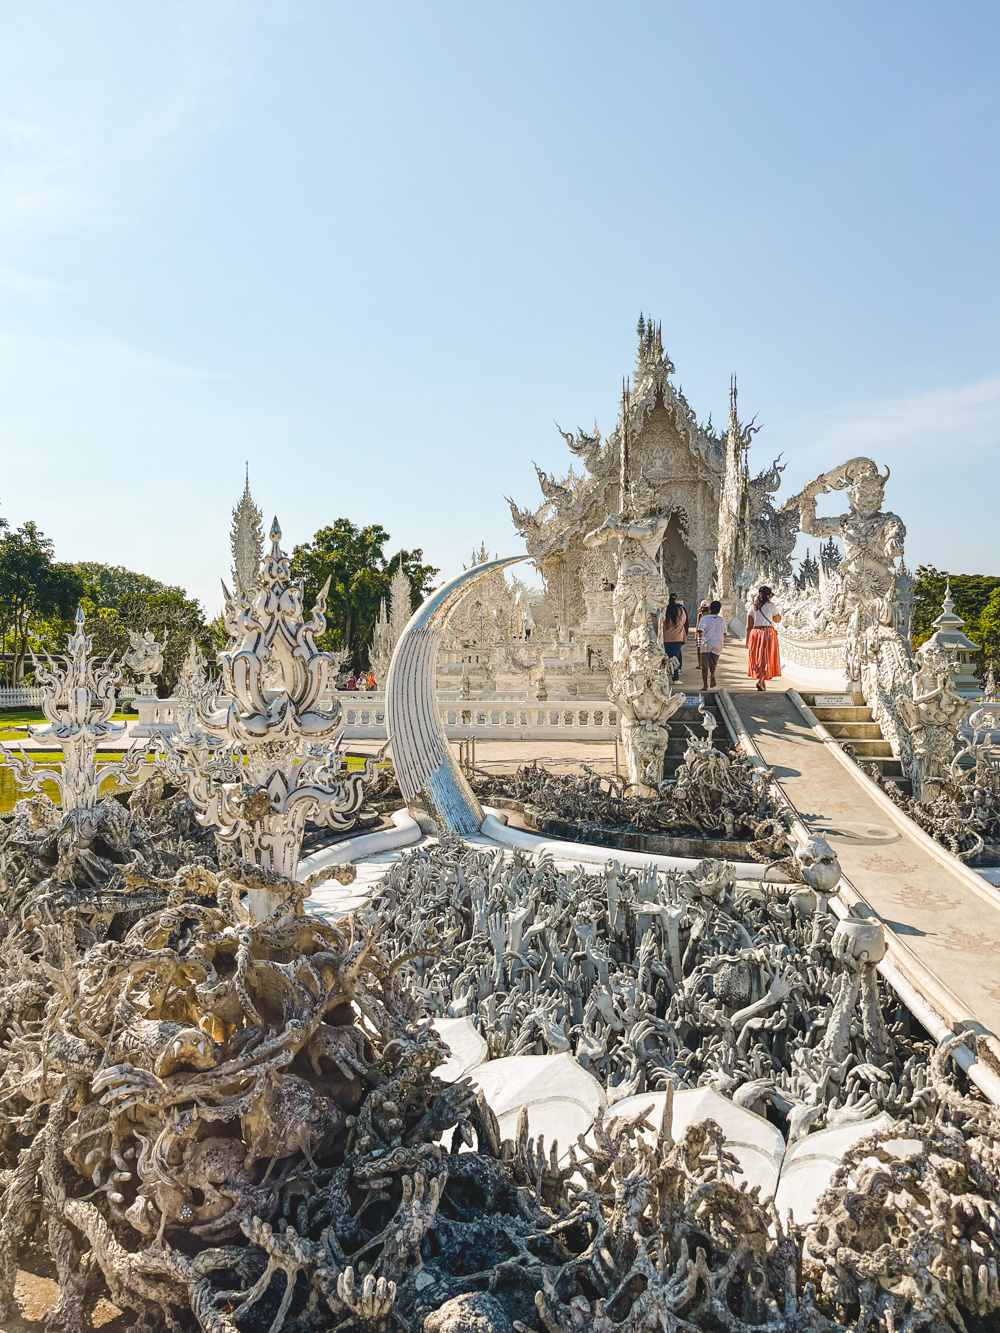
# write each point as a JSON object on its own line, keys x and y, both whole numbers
{"x": 679, "y": 563}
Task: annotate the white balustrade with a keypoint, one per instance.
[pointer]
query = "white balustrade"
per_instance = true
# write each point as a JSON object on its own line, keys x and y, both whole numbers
{"x": 31, "y": 696}
{"x": 22, "y": 696}
{"x": 363, "y": 718}
{"x": 158, "y": 715}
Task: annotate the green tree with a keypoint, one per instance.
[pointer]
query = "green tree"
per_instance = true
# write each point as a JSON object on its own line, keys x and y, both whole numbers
{"x": 354, "y": 561}
{"x": 970, "y": 593}
{"x": 808, "y": 575}
{"x": 119, "y": 600}
{"x": 107, "y": 585}
{"x": 34, "y": 590}
{"x": 988, "y": 632}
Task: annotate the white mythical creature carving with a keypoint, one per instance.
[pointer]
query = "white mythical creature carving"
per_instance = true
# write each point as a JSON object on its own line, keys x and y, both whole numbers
{"x": 145, "y": 660}
{"x": 772, "y": 531}
{"x": 79, "y": 704}
{"x": 195, "y": 687}
{"x": 287, "y": 765}
{"x": 640, "y": 681}
{"x": 932, "y": 712}
{"x": 872, "y": 540}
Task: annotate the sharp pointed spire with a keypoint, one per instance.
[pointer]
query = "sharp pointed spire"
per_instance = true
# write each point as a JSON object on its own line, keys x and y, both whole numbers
{"x": 247, "y": 540}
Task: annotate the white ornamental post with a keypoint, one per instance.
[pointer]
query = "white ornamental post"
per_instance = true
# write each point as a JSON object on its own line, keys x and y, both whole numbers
{"x": 276, "y": 721}
{"x": 79, "y": 704}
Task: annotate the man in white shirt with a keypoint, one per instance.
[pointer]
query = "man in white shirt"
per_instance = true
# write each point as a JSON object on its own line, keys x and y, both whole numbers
{"x": 713, "y": 632}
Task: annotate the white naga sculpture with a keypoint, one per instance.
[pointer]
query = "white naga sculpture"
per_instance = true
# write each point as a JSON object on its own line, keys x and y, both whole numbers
{"x": 640, "y": 677}
{"x": 279, "y": 737}
{"x": 78, "y": 705}
{"x": 145, "y": 660}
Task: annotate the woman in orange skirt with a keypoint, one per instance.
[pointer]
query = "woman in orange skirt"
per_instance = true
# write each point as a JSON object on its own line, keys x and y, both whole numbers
{"x": 762, "y": 639}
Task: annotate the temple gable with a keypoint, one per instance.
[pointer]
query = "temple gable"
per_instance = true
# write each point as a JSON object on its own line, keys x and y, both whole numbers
{"x": 680, "y": 461}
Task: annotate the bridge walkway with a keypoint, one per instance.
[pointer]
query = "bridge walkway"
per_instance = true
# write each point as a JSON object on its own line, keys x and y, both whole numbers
{"x": 942, "y": 920}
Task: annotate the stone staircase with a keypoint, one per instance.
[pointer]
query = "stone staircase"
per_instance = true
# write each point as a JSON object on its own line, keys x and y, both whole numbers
{"x": 849, "y": 720}
{"x": 686, "y": 720}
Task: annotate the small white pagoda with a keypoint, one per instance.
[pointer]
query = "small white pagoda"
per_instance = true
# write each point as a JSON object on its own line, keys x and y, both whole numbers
{"x": 948, "y": 633}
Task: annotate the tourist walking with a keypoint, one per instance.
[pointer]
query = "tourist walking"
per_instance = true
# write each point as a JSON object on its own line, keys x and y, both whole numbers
{"x": 352, "y": 681}
{"x": 763, "y": 661}
{"x": 370, "y": 682}
{"x": 675, "y": 630}
{"x": 702, "y": 611}
{"x": 712, "y": 628}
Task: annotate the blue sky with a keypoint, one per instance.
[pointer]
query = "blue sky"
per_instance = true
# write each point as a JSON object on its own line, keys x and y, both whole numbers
{"x": 378, "y": 250}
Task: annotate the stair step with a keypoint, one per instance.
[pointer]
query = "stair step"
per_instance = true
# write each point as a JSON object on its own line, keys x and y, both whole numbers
{"x": 889, "y": 768}
{"x": 838, "y": 698}
{"x": 845, "y": 714}
{"x": 871, "y": 749}
{"x": 854, "y": 731}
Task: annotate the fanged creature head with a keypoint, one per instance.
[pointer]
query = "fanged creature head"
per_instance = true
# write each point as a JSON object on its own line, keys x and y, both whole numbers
{"x": 867, "y": 486}
{"x": 642, "y": 494}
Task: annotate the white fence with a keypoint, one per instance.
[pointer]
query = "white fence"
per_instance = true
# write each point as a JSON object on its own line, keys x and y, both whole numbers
{"x": 363, "y": 718}
{"x": 22, "y": 696}
{"x": 31, "y": 696}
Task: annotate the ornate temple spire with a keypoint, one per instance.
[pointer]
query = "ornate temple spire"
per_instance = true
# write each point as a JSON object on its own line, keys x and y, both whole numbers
{"x": 624, "y": 493}
{"x": 733, "y": 523}
{"x": 247, "y": 541}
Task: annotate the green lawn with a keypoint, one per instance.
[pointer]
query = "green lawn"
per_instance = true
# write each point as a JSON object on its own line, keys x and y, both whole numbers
{"x": 8, "y": 790}
{"x": 49, "y": 758}
{"x": 14, "y": 720}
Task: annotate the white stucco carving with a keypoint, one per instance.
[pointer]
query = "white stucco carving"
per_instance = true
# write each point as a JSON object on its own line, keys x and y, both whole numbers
{"x": 392, "y": 619}
{"x": 871, "y": 569}
{"x": 247, "y": 540}
{"x": 682, "y": 463}
{"x": 275, "y": 720}
{"x": 640, "y": 676}
{"x": 79, "y": 704}
{"x": 932, "y": 711}
{"x": 425, "y": 763}
{"x": 145, "y": 660}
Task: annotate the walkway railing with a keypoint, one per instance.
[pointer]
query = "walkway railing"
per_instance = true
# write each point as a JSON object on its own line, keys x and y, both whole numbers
{"x": 496, "y": 719}
{"x": 363, "y": 717}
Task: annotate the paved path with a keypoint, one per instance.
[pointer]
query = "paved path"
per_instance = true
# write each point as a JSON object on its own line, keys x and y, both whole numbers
{"x": 951, "y": 929}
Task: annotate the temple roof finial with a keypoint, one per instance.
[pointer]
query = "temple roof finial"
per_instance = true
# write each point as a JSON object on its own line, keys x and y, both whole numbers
{"x": 247, "y": 540}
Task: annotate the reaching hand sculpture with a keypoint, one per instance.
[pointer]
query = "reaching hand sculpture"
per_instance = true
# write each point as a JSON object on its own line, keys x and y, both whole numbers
{"x": 79, "y": 704}
{"x": 275, "y": 762}
{"x": 145, "y": 660}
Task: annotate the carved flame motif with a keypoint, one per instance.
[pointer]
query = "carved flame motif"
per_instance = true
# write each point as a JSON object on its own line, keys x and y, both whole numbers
{"x": 268, "y": 760}
{"x": 78, "y": 705}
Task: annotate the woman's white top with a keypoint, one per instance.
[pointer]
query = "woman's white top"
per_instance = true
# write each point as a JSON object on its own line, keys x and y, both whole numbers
{"x": 763, "y": 617}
